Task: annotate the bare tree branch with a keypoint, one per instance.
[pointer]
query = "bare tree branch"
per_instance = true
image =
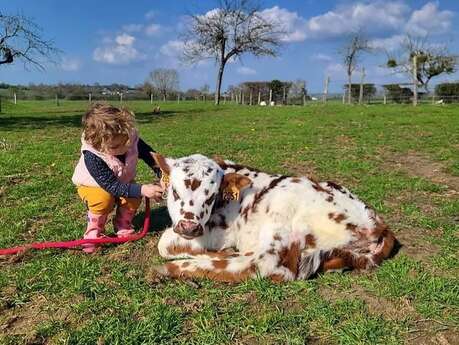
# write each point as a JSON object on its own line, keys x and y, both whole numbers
{"x": 165, "y": 80}
{"x": 21, "y": 40}
{"x": 235, "y": 28}
{"x": 351, "y": 52}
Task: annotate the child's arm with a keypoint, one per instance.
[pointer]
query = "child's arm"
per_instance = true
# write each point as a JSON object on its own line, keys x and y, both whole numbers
{"x": 145, "y": 154}
{"x": 106, "y": 179}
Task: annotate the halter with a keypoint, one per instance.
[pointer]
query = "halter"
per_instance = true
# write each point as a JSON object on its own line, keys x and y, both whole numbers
{"x": 166, "y": 180}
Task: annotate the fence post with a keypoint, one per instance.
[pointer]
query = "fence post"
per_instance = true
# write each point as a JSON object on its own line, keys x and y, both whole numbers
{"x": 178, "y": 98}
{"x": 90, "y": 97}
{"x": 270, "y": 96}
{"x": 362, "y": 77}
{"x": 259, "y": 97}
{"x": 121, "y": 97}
{"x": 15, "y": 98}
{"x": 385, "y": 99}
{"x": 57, "y": 100}
{"x": 250, "y": 98}
{"x": 224, "y": 99}
{"x": 242, "y": 98}
{"x": 151, "y": 97}
{"x": 304, "y": 98}
{"x": 327, "y": 81}
{"x": 344, "y": 97}
{"x": 415, "y": 80}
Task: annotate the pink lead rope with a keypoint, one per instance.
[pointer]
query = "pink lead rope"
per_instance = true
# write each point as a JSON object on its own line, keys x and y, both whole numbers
{"x": 77, "y": 243}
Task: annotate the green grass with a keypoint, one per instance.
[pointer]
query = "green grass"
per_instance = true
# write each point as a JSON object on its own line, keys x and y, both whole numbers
{"x": 57, "y": 297}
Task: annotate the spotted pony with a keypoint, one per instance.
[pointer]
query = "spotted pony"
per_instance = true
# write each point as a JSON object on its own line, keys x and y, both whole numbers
{"x": 231, "y": 223}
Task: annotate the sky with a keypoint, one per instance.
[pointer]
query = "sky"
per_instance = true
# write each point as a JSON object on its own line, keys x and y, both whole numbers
{"x": 121, "y": 42}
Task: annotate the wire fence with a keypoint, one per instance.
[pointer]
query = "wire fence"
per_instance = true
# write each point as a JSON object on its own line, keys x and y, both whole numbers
{"x": 247, "y": 99}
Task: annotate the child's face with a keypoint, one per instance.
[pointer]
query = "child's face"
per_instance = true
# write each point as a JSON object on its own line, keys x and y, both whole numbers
{"x": 117, "y": 146}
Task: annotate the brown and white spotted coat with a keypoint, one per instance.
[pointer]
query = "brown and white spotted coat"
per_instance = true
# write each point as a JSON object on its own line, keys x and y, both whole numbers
{"x": 281, "y": 227}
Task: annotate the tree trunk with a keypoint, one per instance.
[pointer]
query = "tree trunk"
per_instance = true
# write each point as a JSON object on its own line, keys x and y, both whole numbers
{"x": 220, "y": 70}
{"x": 349, "y": 86}
{"x": 219, "y": 83}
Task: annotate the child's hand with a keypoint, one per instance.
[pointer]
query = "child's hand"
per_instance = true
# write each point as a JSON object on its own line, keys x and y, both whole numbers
{"x": 152, "y": 191}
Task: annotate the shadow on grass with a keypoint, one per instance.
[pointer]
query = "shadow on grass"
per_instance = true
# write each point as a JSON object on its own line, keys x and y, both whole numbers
{"x": 38, "y": 122}
{"x": 159, "y": 219}
{"x": 21, "y": 122}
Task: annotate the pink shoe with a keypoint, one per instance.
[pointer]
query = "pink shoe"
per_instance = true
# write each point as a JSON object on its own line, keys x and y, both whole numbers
{"x": 123, "y": 222}
{"x": 95, "y": 229}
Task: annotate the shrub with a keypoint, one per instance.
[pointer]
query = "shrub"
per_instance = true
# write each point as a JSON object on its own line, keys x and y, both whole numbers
{"x": 449, "y": 92}
{"x": 398, "y": 94}
{"x": 369, "y": 90}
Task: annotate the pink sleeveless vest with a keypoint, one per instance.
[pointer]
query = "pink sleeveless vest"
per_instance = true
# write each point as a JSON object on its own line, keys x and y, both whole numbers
{"x": 125, "y": 172}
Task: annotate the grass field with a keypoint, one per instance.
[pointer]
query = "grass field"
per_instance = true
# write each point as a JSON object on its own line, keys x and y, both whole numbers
{"x": 404, "y": 161}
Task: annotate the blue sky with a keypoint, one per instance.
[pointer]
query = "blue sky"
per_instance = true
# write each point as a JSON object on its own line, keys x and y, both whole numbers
{"x": 121, "y": 41}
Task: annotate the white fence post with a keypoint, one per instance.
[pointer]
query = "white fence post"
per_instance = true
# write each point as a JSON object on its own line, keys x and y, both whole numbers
{"x": 362, "y": 77}
{"x": 415, "y": 80}
{"x": 327, "y": 81}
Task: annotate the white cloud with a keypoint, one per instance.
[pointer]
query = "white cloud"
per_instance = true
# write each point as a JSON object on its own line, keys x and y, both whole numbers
{"x": 321, "y": 57}
{"x": 374, "y": 16}
{"x": 70, "y": 64}
{"x": 133, "y": 27}
{"x": 390, "y": 43}
{"x": 429, "y": 20}
{"x": 290, "y": 22}
{"x": 122, "y": 51}
{"x": 124, "y": 40}
{"x": 246, "y": 71}
{"x": 152, "y": 29}
{"x": 172, "y": 48}
{"x": 335, "y": 68}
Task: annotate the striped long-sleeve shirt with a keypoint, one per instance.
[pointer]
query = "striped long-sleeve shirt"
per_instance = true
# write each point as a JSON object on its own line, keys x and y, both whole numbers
{"x": 106, "y": 178}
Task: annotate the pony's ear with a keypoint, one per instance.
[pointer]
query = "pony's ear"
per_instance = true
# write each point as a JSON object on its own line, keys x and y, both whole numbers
{"x": 232, "y": 185}
{"x": 163, "y": 163}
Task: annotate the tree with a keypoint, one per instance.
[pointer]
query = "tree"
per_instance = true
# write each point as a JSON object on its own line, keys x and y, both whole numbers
{"x": 234, "y": 29}
{"x": 351, "y": 52}
{"x": 431, "y": 60}
{"x": 165, "y": 81}
{"x": 21, "y": 39}
{"x": 276, "y": 87}
{"x": 297, "y": 90}
{"x": 205, "y": 89}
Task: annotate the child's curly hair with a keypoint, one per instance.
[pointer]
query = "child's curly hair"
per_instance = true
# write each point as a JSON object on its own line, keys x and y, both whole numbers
{"x": 103, "y": 122}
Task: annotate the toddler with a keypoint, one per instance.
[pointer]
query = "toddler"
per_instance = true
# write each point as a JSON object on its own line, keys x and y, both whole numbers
{"x": 105, "y": 173}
